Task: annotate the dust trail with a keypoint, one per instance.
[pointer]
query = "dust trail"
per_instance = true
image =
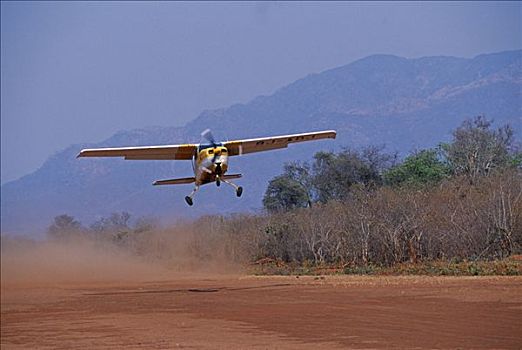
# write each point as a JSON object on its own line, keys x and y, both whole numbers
{"x": 25, "y": 261}
{"x": 82, "y": 260}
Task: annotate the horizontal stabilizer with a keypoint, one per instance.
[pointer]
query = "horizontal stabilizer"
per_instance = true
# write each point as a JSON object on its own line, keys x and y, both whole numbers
{"x": 231, "y": 176}
{"x": 185, "y": 180}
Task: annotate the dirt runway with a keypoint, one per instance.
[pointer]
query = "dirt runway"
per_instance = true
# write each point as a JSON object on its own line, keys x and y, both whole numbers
{"x": 227, "y": 312}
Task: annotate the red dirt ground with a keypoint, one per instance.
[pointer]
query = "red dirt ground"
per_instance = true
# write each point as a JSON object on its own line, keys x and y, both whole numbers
{"x": 209, "y": 311}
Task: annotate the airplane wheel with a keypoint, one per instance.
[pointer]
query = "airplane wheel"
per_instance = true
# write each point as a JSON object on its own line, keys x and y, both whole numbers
{"x": 218, "y": 182}
{"x": 239, "y": 191}
{"x": 189, "y": 200}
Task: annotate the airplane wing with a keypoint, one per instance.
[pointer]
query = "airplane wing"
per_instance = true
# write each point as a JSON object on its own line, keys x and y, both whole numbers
{"x": 167, "y": 152}
{"x": 239, "y": 147}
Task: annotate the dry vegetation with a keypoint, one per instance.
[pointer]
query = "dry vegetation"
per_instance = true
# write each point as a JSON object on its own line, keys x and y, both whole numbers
{"x": 450, "y": 224}
{"x": 454, "y": 228}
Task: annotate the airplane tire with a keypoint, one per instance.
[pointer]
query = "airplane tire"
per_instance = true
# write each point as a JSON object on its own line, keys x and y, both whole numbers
{"x": 218, "y": 182}
{"x": 189, "y": 200}
{"x": 239, "y": 191}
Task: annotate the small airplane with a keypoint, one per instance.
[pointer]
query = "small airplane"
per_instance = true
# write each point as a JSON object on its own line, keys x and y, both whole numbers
{"x": 209, "y": 160}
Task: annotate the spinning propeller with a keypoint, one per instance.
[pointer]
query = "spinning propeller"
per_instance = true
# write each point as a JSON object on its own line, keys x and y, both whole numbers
{"x": 207, "y": 134}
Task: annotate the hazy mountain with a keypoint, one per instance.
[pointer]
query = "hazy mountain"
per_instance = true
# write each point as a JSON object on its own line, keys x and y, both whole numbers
{"x": 404, "y": 103}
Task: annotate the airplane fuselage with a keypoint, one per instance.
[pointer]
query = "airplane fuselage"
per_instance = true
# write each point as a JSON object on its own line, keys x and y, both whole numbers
{"x": 210, "y": 163}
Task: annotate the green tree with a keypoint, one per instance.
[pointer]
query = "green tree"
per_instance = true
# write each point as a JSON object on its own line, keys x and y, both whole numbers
{"x": 284, "y": 193}
{"x": 420, "y": 168}
{"x": 477, "y": 150}
{"x": 335, "y": 174}
{"x": 300, "y": 172}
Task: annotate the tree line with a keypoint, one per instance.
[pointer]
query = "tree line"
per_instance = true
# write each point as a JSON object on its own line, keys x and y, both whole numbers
{"x": 476, "y": 151}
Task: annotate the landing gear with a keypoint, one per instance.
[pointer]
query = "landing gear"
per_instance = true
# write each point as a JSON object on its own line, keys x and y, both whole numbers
{"x": 188, "y": 198}
{"x": 239, "y": 189}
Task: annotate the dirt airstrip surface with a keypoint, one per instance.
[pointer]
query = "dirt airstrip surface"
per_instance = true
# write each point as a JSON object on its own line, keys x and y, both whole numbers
{"x": 236, "y": 311}
{"x": 81, "y": 295}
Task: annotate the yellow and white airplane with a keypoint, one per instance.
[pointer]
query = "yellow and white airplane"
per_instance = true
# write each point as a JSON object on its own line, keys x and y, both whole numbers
{"x": 209, "y": 160}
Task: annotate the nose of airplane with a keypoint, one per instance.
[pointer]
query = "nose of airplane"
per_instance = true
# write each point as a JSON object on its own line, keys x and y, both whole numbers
{"x": 217, "y": 168}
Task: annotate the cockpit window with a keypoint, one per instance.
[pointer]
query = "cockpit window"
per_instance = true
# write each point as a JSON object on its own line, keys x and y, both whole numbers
{"x": 224, "y": 150}
{"x": 210, "y": 151}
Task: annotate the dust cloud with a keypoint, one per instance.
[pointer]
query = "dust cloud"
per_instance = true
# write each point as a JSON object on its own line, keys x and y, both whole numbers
{"x": 83, "y": 260}
{"x": 25, "y": 261}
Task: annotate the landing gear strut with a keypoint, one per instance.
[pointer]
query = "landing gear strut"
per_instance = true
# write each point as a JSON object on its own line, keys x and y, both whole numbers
{"x": 239, "y": 189}
{"x": 188, "y": 198}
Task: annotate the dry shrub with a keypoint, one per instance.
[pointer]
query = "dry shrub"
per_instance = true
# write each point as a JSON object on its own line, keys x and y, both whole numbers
{"x": 454, "y": 221}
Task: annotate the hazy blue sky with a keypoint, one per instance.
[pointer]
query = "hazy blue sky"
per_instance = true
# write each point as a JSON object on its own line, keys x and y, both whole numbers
{"x": 77, "y": 72}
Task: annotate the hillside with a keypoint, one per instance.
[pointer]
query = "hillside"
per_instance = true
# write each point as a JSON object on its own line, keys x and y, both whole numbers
{"x": 404, "y": 103}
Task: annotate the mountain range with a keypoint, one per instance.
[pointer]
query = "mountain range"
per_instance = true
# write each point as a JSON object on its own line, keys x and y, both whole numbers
{"x": 405, "y": 104}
